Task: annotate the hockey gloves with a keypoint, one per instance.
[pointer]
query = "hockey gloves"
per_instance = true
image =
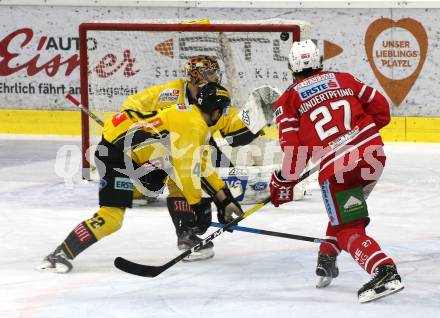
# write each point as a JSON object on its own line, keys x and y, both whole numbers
{"x": 281, "y": 190}
{"x": 228, "y": 207}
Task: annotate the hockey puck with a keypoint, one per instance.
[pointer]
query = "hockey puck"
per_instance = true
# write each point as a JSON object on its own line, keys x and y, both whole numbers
{"x": 284, "y": 36}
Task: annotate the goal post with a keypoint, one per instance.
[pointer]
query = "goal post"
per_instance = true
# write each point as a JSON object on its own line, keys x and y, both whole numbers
{"x": 119, "y": 59}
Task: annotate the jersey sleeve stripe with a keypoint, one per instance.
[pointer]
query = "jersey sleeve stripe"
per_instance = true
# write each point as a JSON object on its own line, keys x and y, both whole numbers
{"x": 362, "y": 91}
{"x": 373, "y": 93}
{"x": 288, "y": 129}
{"x": 291, "y": 119}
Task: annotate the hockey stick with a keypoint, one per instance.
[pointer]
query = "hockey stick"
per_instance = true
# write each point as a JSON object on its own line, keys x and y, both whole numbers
{"x": 272, "y": 233}
{"x": 152, "y": 271}
{"x": 85, "y": 110}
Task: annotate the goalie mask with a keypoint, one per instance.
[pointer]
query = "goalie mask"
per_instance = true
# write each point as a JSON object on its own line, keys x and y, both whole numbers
{"x": 213, "y": 96}
{"x": 201, "y": 69}
{"x": 304, "y": 55}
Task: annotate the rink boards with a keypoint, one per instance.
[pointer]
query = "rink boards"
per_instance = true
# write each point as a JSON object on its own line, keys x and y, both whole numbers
{"x": 67, "y": 123}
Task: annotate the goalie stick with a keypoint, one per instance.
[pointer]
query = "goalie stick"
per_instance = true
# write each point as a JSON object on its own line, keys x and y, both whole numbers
{"x": 273, "y": 233}
{"x": 153, "y": 271}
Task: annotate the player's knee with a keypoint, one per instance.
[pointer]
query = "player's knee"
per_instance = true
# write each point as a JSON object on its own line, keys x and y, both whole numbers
{"x": 349, "y": 234}
{"x": 106, "y": 221}
{"x": 114, "y": 217}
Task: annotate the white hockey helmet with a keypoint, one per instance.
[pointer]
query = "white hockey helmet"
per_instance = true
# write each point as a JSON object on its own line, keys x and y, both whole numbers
{"x": 304, "y": 55}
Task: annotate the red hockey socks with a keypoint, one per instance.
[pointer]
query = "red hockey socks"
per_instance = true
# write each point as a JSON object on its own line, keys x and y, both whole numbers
{"x": 332, "y": 247}
{"x": 364, "y": 250}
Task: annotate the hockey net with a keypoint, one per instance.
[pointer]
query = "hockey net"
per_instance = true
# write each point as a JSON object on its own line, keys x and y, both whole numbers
{"x": 119, "y": 59}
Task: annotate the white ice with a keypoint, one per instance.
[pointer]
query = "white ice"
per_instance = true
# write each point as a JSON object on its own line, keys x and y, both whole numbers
{"x": 250, "y": 276}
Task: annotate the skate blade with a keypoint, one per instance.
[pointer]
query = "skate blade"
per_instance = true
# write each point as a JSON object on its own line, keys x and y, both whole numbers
{"x": 197, "y": 256}
{"x": 322, "y": 281}
{"x": 370, "y": 295}
{"x": 59, "y": 269}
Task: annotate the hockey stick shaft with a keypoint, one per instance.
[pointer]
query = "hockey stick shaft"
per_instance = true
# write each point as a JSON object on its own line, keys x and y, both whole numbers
{"x": 152, "y": 271}
{"x": 85, "y": 109}
{"x": 273, "y": 233}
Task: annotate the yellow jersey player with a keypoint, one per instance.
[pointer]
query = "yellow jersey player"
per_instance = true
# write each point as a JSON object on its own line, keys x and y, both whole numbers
{"x": 134, "y": 140}
{"x": 199, "y": 70}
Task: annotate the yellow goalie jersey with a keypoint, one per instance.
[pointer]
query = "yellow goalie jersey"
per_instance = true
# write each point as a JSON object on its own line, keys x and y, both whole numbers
{"x": 173, "y": 92}
{"x": 177, "y": 133}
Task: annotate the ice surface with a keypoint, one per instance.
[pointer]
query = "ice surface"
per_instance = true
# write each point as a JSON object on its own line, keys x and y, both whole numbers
{"x": 250, "y": 276}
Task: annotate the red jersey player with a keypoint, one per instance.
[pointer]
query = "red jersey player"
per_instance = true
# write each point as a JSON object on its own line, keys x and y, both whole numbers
{"x": 334, "y": 119}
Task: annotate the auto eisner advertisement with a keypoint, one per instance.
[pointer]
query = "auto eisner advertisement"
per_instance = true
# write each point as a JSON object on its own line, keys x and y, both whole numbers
{"x": 392, "y": 49}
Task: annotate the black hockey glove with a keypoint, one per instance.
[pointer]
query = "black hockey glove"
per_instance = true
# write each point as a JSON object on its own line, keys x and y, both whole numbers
{"x": 228, "y": 207}
{"x": 154, "y": 180}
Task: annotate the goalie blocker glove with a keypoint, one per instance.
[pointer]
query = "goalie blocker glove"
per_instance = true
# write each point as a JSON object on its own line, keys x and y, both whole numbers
{"x": 281, "y": 190}
{"x": 228, "y": 207}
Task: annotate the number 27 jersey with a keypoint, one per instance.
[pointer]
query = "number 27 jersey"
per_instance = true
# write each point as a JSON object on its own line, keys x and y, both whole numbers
{"x": 332, "y": 117}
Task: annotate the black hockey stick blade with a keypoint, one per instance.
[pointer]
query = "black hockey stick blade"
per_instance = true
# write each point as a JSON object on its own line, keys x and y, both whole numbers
{"x": 138, "y": 269}
{"x": 153, "y": 271}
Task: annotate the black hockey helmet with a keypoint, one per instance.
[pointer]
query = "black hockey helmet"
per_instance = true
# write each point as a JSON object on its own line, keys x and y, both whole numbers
{"x": 213, "y": 96}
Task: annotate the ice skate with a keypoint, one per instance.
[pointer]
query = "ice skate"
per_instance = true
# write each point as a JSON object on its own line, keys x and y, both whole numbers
{"x": 187, "y": 240}
{"x": 56, "y": 262}
{"x": 385, "y": 281}
{"x": 326, "y": 270}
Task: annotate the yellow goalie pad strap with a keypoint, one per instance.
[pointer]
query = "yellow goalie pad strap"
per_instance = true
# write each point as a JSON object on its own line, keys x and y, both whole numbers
{"x": 106, "y": 221}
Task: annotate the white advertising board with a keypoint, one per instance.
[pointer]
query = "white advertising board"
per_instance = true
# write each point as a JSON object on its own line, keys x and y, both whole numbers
{"x": 393, "y": 49}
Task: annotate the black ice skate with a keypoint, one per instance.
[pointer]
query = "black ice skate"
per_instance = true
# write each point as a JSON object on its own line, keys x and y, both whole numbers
{"x": 326, "y": 269}
{"x": 385, "y": 281}
{"x": 56, "y": 262}
{"x": 187, "y": 240}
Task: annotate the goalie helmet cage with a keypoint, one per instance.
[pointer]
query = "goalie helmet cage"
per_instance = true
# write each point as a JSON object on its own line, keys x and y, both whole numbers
{"x": 118, "y": 59}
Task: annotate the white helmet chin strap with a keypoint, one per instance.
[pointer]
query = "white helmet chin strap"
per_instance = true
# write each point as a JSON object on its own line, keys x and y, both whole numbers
{"x": 304, "y": 55}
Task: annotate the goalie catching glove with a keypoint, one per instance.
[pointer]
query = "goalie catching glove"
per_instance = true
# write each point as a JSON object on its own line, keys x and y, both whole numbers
{"x": 281, "y": 190}
{"x": 257, "y": 112}
{"x": 227, "y": 207}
